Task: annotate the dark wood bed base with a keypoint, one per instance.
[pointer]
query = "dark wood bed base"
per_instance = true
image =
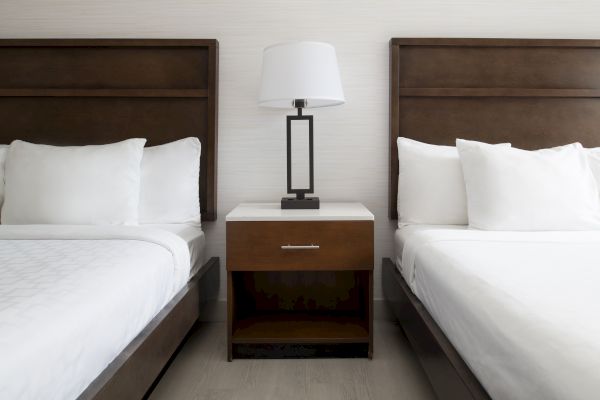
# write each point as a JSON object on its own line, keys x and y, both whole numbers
{"x": 532, "y": 93}
{"x": 450, "y": 377}
{"x": 134, "y": 371}
{"x": 97, "y": 91}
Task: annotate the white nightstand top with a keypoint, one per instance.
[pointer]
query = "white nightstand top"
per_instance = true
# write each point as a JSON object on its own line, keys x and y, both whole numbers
{"x": 273, "y": 212}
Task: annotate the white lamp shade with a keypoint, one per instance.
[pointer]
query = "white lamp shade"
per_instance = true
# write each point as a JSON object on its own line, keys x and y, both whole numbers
{"x": 300, "y": 70}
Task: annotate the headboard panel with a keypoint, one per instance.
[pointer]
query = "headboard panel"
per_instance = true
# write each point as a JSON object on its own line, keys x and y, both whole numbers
{"x": 532, "y": 93}
{"x": 96, "y": 91}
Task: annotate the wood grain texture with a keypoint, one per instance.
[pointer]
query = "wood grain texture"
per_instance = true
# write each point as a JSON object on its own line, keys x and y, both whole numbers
{"x": 342, "y": 245}
{"x": 201, "y": 372}
{"x": 533, "y": 94}
{"x": 131, "y": 374}
{"x": 320, "y": 295}
{"x": 299, "y": 328}
{"x": 82, "y": 92}
{"x": 448, "y": 373}
{"x": 351, "y": 141}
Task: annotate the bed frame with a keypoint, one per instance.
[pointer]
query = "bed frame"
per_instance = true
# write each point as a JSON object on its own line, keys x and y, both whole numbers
{"x": 531, "y": 92}
{"x": 97, "y": 91}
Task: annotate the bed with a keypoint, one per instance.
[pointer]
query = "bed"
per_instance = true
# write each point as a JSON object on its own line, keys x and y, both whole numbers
{"x": 464, "y": 297}
{"x": 97, "y": 312}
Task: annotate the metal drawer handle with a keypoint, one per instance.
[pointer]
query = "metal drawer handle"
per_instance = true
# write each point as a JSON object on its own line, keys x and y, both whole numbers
{"x": 300, "y": 247}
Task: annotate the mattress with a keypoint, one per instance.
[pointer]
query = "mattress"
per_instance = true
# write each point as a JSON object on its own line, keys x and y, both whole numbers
{"x": 72, "y": 298}
{"x": 193, "y": 235}
{"x": 520, "y": 307}
{"x": 408, "y": 231}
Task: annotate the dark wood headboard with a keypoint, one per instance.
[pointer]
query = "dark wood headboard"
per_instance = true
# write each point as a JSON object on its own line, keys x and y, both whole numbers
{"x": 531, "y": 92}
{"x": 96, "y": 91}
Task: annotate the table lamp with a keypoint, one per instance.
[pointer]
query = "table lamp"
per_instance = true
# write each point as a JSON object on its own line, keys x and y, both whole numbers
{"x": 300, "y": 75}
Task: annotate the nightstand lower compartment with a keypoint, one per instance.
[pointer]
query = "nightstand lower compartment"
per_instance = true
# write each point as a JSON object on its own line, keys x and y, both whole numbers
{"x": 280, "y": 314}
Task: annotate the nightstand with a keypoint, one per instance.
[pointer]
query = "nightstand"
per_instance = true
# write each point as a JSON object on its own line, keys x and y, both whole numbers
{"x": 300, "y": 282}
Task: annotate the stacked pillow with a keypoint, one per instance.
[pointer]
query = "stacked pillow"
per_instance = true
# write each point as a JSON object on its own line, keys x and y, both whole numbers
{"x": 593, "y": 157}
{"x": 497, "y": 187}
{"x": 115, "y": 184}
{"x": 169, "y": 191}
{"x": 431, "y": 188}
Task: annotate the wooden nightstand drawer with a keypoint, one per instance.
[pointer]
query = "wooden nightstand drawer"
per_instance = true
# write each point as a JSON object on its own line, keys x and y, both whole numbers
{"x": 302, "y": 245}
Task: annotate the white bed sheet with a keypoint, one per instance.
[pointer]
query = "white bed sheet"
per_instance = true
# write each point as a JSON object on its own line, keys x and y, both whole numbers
{"x": 522, "y": 308}
{"x": 72, "y": 298}
{"x": 193, "y": 235}
{"x": 407, "y": 231}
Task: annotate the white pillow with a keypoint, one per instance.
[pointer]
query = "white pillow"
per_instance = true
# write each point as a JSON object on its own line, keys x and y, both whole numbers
{"x": 3, "y": 151}
{"x": 97, "y": 185}
{"x": 513, "y": 189}
{"x": 431, "y": 187}
{"x": 593, "y": 156}
{"x": 169, "y": 190}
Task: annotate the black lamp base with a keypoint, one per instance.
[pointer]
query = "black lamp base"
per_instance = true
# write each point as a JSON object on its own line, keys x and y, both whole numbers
{"x": 294, "y": 203}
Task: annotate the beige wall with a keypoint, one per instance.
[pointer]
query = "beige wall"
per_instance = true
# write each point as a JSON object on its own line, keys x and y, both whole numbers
{"x": 351, "y": 149}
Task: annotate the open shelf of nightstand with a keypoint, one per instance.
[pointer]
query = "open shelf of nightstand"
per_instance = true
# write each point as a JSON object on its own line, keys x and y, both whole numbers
{"x": 289, "y": 327}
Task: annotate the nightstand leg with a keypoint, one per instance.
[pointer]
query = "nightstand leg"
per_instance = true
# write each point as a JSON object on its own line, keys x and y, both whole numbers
{"x": 371, "y": 315}
{"x": 230, "y": 313}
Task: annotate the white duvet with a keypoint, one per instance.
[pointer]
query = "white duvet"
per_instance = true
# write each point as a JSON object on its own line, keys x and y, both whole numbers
{"x": 72, "y": 298}
{"x": 522, "y": 308}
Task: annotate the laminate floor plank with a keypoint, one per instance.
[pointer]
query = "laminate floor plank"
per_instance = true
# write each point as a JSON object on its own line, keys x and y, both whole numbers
{"x": 201, "y": 372}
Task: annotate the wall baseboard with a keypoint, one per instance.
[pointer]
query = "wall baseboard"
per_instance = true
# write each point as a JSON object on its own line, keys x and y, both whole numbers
{"x": 217, "y": 311}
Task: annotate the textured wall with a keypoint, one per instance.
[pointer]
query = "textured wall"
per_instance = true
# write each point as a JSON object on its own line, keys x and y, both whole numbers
{"x": 351, "y": 149}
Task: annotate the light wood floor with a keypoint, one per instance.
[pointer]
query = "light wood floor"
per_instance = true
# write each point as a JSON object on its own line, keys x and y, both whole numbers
{"x": 201, "y": 372}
